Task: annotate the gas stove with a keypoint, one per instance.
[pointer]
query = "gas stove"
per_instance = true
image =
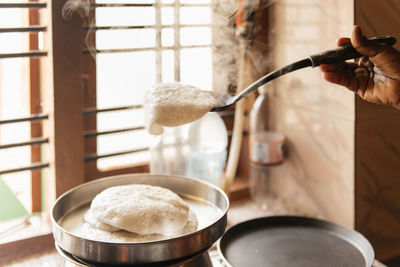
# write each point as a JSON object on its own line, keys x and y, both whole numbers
{"x": 210, "y": 258}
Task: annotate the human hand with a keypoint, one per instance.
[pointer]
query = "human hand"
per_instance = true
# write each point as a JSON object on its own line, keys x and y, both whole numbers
{"x": 376, "y": 76}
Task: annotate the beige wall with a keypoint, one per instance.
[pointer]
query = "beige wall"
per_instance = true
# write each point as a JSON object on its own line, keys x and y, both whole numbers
{"x": 316, "y": 117}
{"x": 344, "y": 154}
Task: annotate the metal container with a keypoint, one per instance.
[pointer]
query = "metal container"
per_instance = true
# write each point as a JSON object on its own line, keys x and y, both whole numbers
{"x": 176, "y": 249}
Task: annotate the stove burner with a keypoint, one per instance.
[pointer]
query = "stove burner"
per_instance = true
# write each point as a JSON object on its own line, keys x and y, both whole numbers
{"x": 201, "y": 260}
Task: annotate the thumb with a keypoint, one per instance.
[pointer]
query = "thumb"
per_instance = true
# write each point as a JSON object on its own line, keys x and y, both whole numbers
{"x": 363, "y": 45}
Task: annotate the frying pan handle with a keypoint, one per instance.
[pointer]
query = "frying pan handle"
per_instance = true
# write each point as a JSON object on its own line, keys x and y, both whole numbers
{"x": 346, "y": 52}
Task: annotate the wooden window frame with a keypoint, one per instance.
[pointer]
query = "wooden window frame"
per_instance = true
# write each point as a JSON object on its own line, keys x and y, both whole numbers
{"x": 35, "y": 108}
{"x": 62, "y": 101}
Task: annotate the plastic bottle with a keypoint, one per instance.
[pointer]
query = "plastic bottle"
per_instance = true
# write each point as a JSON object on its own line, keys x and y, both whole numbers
{"x": 168, "y": 151}
{"x": 207, "y": 142}
{"x": 265, "y": 148}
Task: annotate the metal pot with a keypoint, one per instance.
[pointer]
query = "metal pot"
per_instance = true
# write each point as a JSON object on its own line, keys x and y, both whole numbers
{"x": 210, "y": 197}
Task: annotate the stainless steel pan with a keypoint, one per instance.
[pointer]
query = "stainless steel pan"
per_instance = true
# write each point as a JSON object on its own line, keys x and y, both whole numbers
{"x": 294, "y": 241}
{"x": 211, "y": 200}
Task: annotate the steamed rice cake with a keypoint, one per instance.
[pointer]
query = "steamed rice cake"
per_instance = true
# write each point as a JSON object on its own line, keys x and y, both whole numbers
{"x": 140, "y": 209}
{"x": 92, "y": 220}
{"x": 90, "y": 232}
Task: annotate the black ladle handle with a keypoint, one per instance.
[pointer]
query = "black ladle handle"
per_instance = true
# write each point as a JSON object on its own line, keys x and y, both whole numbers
{"x": 345, "y": 52}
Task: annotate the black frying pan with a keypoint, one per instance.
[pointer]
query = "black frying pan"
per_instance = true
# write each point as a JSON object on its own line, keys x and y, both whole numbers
{"x": 294, "y": 241}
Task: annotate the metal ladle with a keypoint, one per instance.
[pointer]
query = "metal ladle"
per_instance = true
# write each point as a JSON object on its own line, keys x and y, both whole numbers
{"x": 327, "y": 57}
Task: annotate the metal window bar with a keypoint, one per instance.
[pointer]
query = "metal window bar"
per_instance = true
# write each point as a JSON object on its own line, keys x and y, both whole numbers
{"x": 100, "y": 110}
{"x": 24, "y": 29}
{"x": 126, "y": 50}
{"x": 96, "y": 5}
{"x": 32, "y": 142}
{"x": 117, "y": 50}
{"x": 33, "y": 166}
{"x": 97, "y": 133}
{"x": 23, "y": 5}
{"x": 97, "y": 28}
{"x": 33, "y": 117}
{"x": 24, "y": 54}
{"x": 158, "y": 4}
{"x": 134, "y": 27}
{"x": 96, "y": 156}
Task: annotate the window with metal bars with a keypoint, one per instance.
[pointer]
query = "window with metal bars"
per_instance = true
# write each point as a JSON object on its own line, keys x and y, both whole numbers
{"x": 21, "y": 138}
{"x": 137, "y": 45}
{"x": 71, "y": 110}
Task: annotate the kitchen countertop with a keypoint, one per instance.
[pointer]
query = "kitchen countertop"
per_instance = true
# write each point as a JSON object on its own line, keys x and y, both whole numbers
{"x": 245, "y": 209}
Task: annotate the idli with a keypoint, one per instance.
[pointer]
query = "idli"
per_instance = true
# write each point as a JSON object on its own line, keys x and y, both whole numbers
{"x": 141, "y": 209}
{"x": 90, "y": 232}
{"x": 90, "y": 219}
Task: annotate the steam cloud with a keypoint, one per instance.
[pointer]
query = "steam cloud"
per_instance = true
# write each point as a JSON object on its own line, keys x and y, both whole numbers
{"x": 82, "y": 7}
{"x": 224, "y": 38}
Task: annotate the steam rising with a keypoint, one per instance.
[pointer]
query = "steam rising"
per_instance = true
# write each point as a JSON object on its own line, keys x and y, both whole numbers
{"x": 226, "y": 42}
{"x": 82, "y": 7}
{"x": 224, "y": 39}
